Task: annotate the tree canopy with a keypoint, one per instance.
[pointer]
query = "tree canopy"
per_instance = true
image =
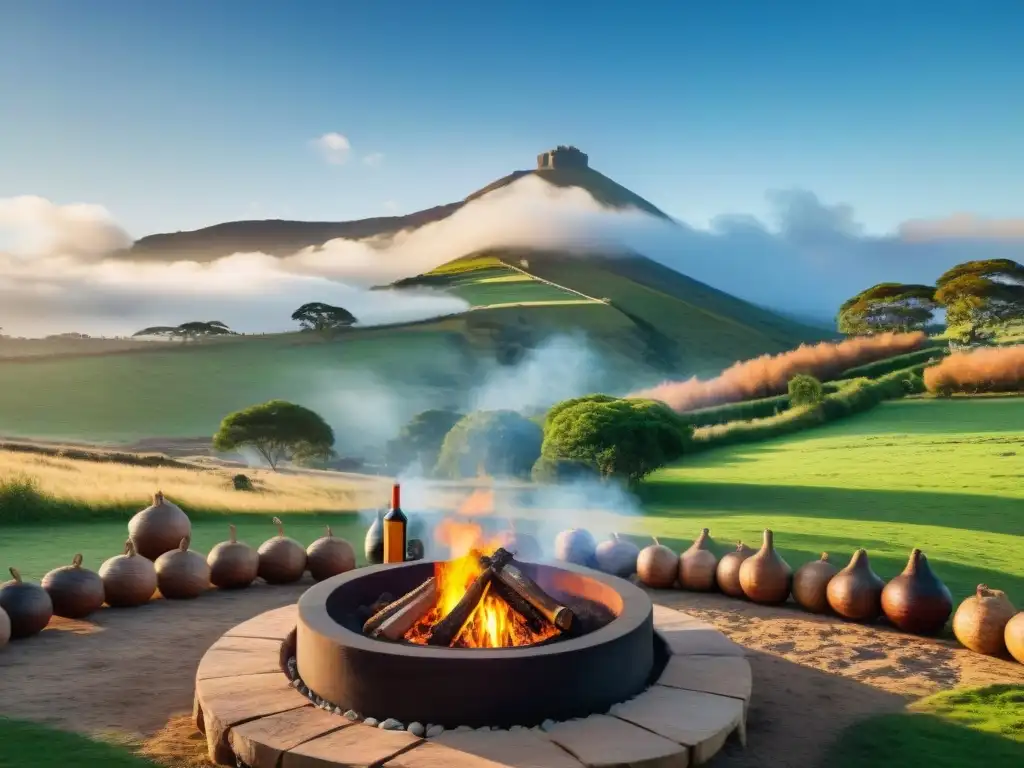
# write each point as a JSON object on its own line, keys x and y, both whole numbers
{"x": 317, "y": 316}
{"x": 628, "y": 438}
{"x": 420, "y": 440}
{"x": 196, "y": 329}
{"x": 496, "y": 443}
{"x": 277, "y": 430}
{"x": 979, "y": 294}
{"x": 887, "y": 307}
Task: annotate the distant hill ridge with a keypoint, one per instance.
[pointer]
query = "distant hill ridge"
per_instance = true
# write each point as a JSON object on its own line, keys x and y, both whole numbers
{"x": 279, "y": 237}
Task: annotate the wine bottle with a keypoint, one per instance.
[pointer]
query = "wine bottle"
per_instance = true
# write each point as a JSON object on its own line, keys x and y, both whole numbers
{"x": 395, "y": 524}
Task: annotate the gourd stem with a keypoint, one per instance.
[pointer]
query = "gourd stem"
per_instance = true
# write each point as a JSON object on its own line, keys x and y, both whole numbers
{"x": 232, "y": 534}
{"x": 14, "y": 574}
{"x": 76, "y": 561}
{"x": 329, "y": 534}
{"x": 183, "y": 546}
{"x": 280, "y": 526}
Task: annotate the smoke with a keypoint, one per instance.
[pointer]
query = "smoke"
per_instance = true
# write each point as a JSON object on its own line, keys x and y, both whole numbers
{"x": 770, "y": 374}
{"x": 55, "y": 275}
{"x": 998, "y": 369}
{"x": 561, "y": 367}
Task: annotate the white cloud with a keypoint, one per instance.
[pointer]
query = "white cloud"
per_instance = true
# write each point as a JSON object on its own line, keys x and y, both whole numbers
{"x": 807, "y": 261}
{"x": 333, "y": 147}
{"x": 374, "y": 159}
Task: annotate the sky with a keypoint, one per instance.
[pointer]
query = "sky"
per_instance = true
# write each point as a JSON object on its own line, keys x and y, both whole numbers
{"x": 180, "y": 115}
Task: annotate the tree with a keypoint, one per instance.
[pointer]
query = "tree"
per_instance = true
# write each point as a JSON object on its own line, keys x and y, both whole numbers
{"x": 628, "y": 438}
{"x": 196, "y": 329}
{"x": 496, "y": 443}
{"x": 317, "y": 316}
{"x": 805, "y": 390}
{"x": 277, "y": 430}
{"x": 978, "y": 295}
{"x": 887, "y": 307}
{"x": 420, "y": 440}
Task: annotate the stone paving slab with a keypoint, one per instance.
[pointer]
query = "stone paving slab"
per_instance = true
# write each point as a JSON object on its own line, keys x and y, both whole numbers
{"x": 359, "y": 746}
{"x": 601, "y": 741}
{"x": 233, "y": 656}
{"x": 260, "y": 743}
{"x": 516, "y": 749}
{"x": 722, "y": 675}
{"x": 271, "y": 625}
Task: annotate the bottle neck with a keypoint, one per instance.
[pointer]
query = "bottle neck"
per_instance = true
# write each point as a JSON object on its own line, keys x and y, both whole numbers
{"x": 396, "y": 496}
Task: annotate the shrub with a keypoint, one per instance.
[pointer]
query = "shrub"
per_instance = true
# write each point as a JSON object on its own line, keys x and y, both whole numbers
{"x": 995, "y": 369}
{"x": 497, "y": 443}
{"x": 241, "y": 483}
{"x": 897, "y": 363}
{"x": 805, "y": 390}
{"x": 277, "y": 430}
{"x": 625, "y": 438}
{"x": 547, "y": 470}
{"x": 420, "y": 440}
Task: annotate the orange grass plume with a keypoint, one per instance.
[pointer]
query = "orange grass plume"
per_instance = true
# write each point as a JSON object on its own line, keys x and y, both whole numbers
{"x": 769, "y": 375}
{"x": 991, "y": 369}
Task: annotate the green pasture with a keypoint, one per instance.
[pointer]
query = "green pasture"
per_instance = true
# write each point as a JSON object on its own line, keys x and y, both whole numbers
{"x": 185, "y": 390}
{"x": 495, "y": 285}
{"x": 946, "y": 476}
{"x": 30, "y": 745}
{"x": 952, "y": 729}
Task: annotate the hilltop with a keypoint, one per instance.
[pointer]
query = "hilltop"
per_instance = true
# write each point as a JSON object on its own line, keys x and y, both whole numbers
{"x": 279, "y": 237}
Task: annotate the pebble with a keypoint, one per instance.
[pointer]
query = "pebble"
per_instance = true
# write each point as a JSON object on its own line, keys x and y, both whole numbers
{"x": 337, "y": 710}
{"x": 547, "y": 725}
{"x": 484, "y": 728}
{"x": 391, "y": 725}
{"x": 463, "y": 729}
{"x": 371, "y": 721}
{"x": 434, "y": 730}
{"x": 296, "y": 683}
{"x": 303, "y": 690}
{"x": 616, "y": 709}
{"x": 351, "y": 715}
{"x": 517, "y": 728}
{"x": 416, "y": 729}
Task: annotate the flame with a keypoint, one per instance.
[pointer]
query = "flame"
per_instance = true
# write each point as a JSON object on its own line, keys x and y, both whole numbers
{"x": 494, "y": 624}
{"x": 480, "y": 502}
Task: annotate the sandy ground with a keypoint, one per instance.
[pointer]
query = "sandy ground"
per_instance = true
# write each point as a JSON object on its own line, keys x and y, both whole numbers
{"x": 129, "y": 674}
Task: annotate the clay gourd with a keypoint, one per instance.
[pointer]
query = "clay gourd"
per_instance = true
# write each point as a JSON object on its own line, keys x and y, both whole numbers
{"x": 617, "y": 556}
{"x": 657, "y": 566}
{"x": 182, "y": 573}
{"x": 522, "y": 545}
{"x": 282, "y": 560}
{"x": 74, "y": 591}
{"x": 328, "y": 556}
{"x": 916, "y": 601}
{"x": 129, "y": 580}
{"x": 698, "y": 565}
{"x": 727, "y": 574}
{"x": 810, "y": 584}
{"x": 855, "y": 593}
{"x": 764, "y": 576}
{"x": 233, "y": 563}
{"x": 980, "y": 621}
{"x": 28, "y": 606}
{"x": 1013, "y": 635}
{"x": 576, "y": 545}
{"x": 373, "y": 545}
{"x": 158, "y": 528}
{"x": 5, "y": 628}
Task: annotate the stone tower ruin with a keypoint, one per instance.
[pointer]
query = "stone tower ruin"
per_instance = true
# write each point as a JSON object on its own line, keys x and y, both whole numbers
{"x": 561, "y": 157}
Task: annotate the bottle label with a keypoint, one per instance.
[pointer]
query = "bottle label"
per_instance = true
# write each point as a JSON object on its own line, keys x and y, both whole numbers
{"x": 394, "y": 541}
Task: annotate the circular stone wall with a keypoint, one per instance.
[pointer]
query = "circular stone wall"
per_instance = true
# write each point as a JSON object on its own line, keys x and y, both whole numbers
{"x": 475, "y": 687}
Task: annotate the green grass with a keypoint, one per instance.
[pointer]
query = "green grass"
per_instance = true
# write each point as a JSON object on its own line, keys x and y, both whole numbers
{"x": 952, "y": 729}
{"x": 28, "y": 745}
{"x": 946, "y": 476}
{"x": 181, "y": 391}
{"x": 494, "y": 285}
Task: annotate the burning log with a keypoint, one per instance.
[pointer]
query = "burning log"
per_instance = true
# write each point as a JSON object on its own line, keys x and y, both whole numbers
{"x": 448, "y": 629}
{"x": 389, "y": 610}
{"x": 534, "y": 619}
{"x": 500, "y": 564}
{"x": 405, "y": 618}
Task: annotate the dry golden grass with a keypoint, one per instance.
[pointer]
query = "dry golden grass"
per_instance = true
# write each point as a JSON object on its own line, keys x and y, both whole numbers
{"x": 110, "y": 484}
{"x": 177, "y": 745}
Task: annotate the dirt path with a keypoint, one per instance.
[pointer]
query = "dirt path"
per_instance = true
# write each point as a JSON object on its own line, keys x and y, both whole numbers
{"x": 130, "y": 672}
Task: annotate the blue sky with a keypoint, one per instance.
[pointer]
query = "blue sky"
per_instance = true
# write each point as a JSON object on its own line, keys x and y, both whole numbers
{"x": 182, "y": 114}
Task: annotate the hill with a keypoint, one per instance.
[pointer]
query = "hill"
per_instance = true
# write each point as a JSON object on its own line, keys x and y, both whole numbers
{"x": 282, "y": 238}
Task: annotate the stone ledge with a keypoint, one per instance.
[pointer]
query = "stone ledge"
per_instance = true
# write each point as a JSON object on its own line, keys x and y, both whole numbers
{"x": 245, "y": 705}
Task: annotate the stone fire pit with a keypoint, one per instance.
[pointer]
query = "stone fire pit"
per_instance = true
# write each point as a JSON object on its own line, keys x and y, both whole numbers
{"x": 653, "y": 687}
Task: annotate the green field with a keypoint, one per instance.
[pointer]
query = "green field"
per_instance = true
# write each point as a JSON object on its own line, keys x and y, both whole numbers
{"x": 500, "y": 285}
{"x": 946, "y": 476}
{"x": 952, "y": 729}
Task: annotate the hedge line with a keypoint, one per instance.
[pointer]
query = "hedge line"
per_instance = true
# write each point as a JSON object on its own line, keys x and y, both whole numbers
{"x": 859, "y": 395}
{"x": 894, "y": 364}
{"x": 746, "y": 410}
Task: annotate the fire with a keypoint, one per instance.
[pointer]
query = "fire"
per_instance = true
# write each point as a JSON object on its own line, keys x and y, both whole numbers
{"x": 494, "y": 624}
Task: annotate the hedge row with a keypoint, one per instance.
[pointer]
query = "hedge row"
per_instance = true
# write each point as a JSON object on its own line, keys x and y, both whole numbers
{"x": 895, "y": 364}
{"x": 746, "y": 410}
{"x": 859, "y": 395}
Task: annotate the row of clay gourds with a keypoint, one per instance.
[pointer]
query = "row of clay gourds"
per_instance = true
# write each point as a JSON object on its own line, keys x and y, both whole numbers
{"x": 916, "y": 601}
{"x": 157, "y": 556}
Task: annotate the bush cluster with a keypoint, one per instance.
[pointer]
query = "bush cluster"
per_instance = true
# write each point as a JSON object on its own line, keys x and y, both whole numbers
{"x": 494, "y": 443}
{"x": 995, "y": 369}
